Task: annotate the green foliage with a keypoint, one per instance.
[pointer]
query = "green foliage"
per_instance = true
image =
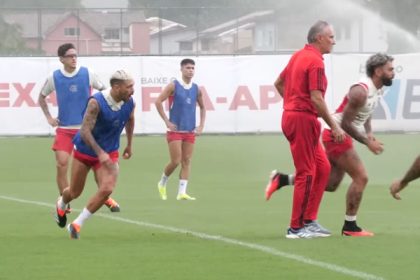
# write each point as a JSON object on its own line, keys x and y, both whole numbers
{"x": 12, "y": 42}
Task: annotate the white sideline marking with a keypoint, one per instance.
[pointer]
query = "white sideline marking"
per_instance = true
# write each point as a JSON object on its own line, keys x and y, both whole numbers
{"x": 257, "y": 247}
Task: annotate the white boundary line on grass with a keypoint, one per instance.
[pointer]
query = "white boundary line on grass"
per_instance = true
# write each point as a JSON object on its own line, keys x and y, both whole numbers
{"x": 257, "y": 247}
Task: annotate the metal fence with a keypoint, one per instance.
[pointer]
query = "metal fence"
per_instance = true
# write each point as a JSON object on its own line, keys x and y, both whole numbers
{"x": 180, "y": 31}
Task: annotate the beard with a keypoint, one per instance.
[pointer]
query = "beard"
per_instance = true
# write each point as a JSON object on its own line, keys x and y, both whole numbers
{"x": 386, "y": 81}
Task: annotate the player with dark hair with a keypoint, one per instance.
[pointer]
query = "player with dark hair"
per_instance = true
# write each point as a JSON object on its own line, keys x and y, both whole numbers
{"x": 72, "y": 85}
{"x": 354, "y": 115}
{"x": 184, "y": 96}
{"x": 96, "y": 147}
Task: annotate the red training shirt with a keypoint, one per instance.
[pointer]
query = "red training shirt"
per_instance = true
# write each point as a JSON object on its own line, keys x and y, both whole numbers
{"x": 304, "y": 72}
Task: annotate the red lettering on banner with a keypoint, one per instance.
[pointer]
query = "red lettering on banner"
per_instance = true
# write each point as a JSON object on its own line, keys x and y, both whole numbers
{"x": 24, "y": 95}
{"x": 268, "y": 95}
{"x": 206, "y": 100}
{"x": 4, "y": 94}
{"x": 148, "y": 97}
{"x": 243, "y": 97}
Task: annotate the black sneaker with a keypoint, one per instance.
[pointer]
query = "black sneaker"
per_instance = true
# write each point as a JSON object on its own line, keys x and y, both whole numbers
{"x": 60, "y": 217}
{"x": 352, "y": 229}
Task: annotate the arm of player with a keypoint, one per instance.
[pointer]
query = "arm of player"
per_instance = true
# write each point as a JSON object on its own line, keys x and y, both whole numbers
{"x": 129, "y": 131}
{"x": 167, "y": 91}
{"x": 357, "y": 98}
{"x": 412, "y": 174}
{"x": 200, "y": 103}
{"x": 279, "y": 85}
{"x": 319, "y": 103}
{"x": 89, "y": 121}
{"x": 368, "y": 128}
{"x": 44, "y": 106}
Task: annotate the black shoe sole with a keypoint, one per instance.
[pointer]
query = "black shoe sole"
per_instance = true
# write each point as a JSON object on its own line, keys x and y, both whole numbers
{"x": 61, "y": 220}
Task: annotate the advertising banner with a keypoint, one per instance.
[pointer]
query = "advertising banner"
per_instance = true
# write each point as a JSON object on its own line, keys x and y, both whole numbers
{"x": 238, "y": 90}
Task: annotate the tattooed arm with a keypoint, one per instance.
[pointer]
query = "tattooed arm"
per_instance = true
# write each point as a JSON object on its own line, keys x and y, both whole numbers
{"x": 89, "y": 121}
{"x": 357, "y": 98}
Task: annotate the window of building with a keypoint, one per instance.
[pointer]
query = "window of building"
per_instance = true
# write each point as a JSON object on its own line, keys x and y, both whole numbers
{"x": 186, "y": 46}
{"x": 264, "y": 37}
{"x": 71, "y": 31}
{"x": 112, "y": 34}
{"x": 205, "y": 44}
{"x": 342, "y": 31}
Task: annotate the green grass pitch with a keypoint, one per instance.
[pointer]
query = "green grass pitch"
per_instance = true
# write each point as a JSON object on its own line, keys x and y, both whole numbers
{"x": 230, "y": 232}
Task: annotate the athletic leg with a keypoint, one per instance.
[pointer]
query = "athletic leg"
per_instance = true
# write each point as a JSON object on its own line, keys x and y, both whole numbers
{"x": 62, "y": 159}
{"x": 351, "y": 163}
{"x": 184, "y": 174}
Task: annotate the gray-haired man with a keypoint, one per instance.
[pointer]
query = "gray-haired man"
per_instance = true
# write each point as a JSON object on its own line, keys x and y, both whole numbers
{"x": 354, "y": 116}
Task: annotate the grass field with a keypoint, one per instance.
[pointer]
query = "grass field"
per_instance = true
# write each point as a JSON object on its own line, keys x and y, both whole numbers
{"x": 230, "y": 232}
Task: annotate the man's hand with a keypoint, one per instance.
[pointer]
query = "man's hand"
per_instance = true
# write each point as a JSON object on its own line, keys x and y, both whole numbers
{"x": 338, "y": 134}
{"x": 199, "y": 130}
{"x": 53, "y": 121}
{"x": 127, "y": 153}
{"x": 171, "y": 126}
{"x": 375, "y": 146}
{"x": 105, "y": 160}
{"x": 395, "y": 189}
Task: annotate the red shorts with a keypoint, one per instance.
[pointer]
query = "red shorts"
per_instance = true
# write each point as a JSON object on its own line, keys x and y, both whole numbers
{"x": 181, "y": 136}
{"x": 64, "y": 139}
{"x": 335, "y": 149}
{"x": 94, "y": 161}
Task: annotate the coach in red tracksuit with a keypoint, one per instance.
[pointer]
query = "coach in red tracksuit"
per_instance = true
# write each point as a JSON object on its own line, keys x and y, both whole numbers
{"x": 302, "y": 84}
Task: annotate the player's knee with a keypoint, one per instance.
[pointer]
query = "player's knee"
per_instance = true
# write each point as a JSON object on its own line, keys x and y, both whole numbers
{"x": 106, "y": 190}
{"x": 175, "y": 161}
{"x": 361, "y": 180}
{"x": 62, "y": 164}
{"x": 186, "y": 162}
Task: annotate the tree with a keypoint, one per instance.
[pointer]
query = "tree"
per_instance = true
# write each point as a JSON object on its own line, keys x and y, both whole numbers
{"x": 12, "y": 42}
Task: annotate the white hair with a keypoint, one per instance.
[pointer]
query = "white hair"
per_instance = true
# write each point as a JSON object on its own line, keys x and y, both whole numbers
{"x": 121, "y": 75}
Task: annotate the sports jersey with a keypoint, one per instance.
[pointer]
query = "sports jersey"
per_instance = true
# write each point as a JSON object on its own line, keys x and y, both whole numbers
{"x": 183, "y": 106}
{"x": 72, "y": 94}
{"x": 108, "y": 126}
{"x": 72, "y": 91}
{"x": 366, "y": 111}
{"x": 303, "y": 74}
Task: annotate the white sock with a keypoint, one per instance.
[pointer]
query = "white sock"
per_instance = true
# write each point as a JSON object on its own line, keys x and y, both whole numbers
{"x": 350, "y": 218}
{"x": 60, "y": 203}
{"x": 291, "y": 179}
{"x": 182, "y": 189}
{"x": 163, "y": 180}
{"x": 82, "y": 217}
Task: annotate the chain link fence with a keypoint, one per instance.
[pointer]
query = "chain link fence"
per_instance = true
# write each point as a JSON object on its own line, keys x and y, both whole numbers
{"x": 183, "y": 31}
